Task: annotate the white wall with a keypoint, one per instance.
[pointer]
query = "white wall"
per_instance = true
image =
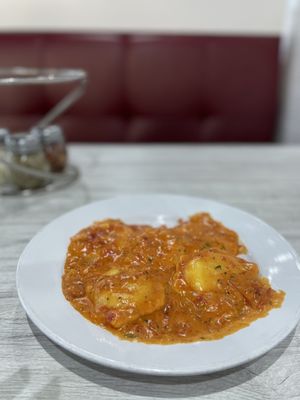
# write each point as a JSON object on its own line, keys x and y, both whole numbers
{"x": 289, "y": 126}
{"x": 229, "y": 16}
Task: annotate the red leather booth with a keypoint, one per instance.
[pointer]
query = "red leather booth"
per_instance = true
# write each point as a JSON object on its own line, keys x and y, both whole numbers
{"x": 150, "y": 88}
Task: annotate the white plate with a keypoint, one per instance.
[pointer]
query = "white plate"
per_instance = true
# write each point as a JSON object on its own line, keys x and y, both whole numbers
{"x": 39, "y": 287}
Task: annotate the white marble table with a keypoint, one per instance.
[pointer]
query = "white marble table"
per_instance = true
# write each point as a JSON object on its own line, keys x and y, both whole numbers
{"x": 263, "y": 180}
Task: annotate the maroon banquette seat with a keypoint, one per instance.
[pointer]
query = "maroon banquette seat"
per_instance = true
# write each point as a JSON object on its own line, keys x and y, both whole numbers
{"x": 149, "y": 88}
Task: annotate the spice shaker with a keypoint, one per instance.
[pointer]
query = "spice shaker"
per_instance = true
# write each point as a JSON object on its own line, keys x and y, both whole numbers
{"x": 3, "y": 169}
{"x": 3, "y": 133}
{"x": 54, "y": 145}
{"x": 25, "y": 150}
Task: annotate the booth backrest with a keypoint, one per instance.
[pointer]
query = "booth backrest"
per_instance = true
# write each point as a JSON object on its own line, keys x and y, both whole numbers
{"x": 149, "y": 87}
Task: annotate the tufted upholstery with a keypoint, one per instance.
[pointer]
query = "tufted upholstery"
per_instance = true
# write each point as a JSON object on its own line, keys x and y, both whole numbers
{"x": 150, "y": 87}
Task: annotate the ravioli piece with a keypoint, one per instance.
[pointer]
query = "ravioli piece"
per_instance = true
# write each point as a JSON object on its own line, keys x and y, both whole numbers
{"x": 210, "y": 234}
{"x": 124, "y": 301}
{"x": 208, "y": 271}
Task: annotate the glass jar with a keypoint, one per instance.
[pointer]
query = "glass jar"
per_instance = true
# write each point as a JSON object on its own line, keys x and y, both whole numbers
{"x": 54, "y": 147}
{"x": 25, "y": 150}
{"x": 4, "y": 173}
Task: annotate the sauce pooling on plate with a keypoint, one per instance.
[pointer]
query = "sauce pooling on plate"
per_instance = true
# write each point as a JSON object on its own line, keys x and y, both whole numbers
{"x": 165, "y": 285}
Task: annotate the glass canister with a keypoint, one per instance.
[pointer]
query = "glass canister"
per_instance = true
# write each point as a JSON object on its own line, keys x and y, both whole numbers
{"x": 3, "y": 169}
{"x": 25, "y": 150}
{"x": 54, "y": 145}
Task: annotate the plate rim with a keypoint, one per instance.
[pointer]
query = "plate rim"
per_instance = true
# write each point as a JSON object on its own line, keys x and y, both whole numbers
{"x": 117, "y": 365}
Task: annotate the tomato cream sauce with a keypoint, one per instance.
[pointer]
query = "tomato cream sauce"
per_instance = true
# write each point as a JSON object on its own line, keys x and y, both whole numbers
{"x": 165, "y": 285}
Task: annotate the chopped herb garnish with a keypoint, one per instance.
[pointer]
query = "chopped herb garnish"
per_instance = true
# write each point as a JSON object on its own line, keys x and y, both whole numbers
{"x": 218, "y": 267}
{"x": 130, "y": 335}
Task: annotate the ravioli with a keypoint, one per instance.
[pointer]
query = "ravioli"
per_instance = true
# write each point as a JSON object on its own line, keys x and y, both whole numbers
{"x": 122, "y": 300}
{"x": 165, "y": 285}
{"x": 212, "y": 270}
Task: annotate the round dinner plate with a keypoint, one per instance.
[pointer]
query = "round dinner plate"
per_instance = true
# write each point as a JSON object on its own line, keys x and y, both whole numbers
{"x": 41, "y": 266}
